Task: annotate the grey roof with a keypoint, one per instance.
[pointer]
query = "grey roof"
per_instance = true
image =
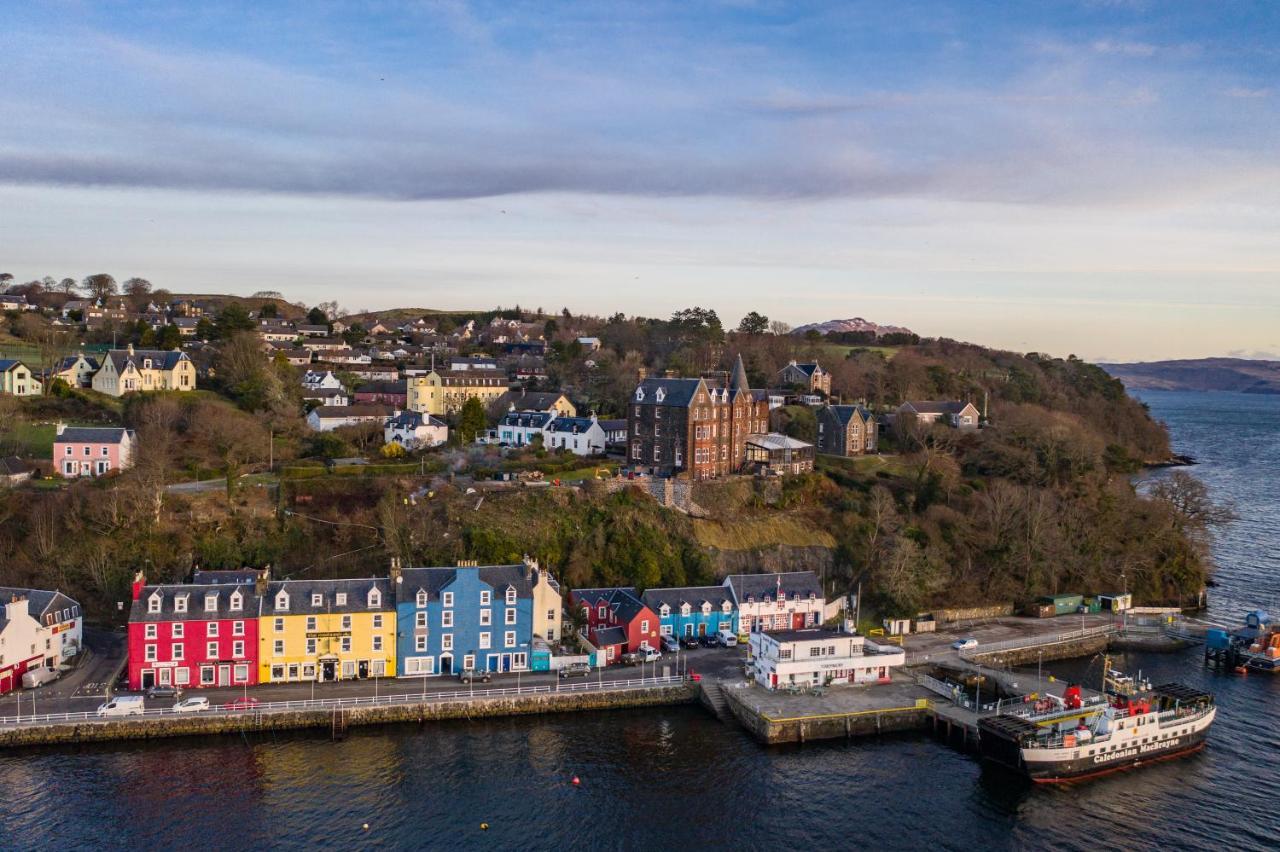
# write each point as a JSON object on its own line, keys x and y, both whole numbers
{"x": 301, "y": 592}
{"x": 40, "y": 602}
{"x": 777, "y": 441}
{"x": 529, "y": 400}
{"x": 758, "y": 586}
{"x": 7, "y": 364}
{"x": 808, "y": 633}
{"x": 934, "y": 406}
{"x": 92, "y": 435}
{"x": 572, "y": 425}
{"x": 845, "y": 413}
{"x": 596, "y": 594}
{"x": 13, "y": 466}
{"x": 338, "y": 411}
{"x": 677, "y": 392}
{"x": 412, "y": 420}
{"x": 434, "y": 580}
{"x": 195, "y": 595}
{"x": 694, "y": 596}
{"x": 619, "y": 425}
{"x": 527, "y": 419}
{"x": 610, "y": 636}
{"x": 807, "y": 369}
{"x": 738, "y": 379}
{"x": 201, "y": 577}
{"x": 399, "y": 387}
{"x": 70, "y": 361}
{"x": 161, "y": 359}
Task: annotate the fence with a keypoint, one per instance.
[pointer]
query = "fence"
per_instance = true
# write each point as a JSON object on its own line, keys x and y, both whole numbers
{"x": 355, "y": 701}
{"x": 1037, "y": 641}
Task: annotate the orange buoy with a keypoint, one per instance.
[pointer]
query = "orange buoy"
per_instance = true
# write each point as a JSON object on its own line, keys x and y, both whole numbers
{"x": 484, "y": 826}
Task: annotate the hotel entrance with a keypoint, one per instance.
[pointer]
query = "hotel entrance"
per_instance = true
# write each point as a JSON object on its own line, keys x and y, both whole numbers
{"x": 328, "y": 670}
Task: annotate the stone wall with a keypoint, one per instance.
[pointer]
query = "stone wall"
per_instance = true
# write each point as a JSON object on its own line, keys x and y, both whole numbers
{"x": 476, "y": 708}
{"x": 828, "y": 726}
{"x": 1069, "y": 650}
{"x": 948, "y": 616}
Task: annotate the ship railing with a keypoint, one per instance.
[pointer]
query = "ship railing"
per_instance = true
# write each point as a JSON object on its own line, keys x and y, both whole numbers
{"x": 395, "y": 699}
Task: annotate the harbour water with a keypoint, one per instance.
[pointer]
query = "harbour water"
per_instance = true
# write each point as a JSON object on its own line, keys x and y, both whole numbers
{"x": 677, "y": 778}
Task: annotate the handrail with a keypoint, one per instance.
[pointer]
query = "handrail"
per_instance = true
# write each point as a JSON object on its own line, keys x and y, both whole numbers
{"x": 267, "y": 707}
{"x": 1037, "y": 641}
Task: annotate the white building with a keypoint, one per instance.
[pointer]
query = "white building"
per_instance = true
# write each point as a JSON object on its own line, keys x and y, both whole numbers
{"x": 581, "y": 436}
{"x": 37, "y": 629}
{"x": 413, "y": 429}
{"x": 326, "y": 418}
{"x": 819, "y": 657}
{"x": 321, "y": 380}
{"x": 789, "y": 601}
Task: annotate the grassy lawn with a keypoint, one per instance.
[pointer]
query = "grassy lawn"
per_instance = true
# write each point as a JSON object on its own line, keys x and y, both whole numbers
{"x": 867, "y": 465}
{"x": 839, "y": 351}
{"x": 584, "y": 473}
{"x": 36, "y": 440}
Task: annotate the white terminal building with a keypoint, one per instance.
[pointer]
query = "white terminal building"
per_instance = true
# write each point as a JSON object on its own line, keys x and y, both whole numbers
{"x": 818, "y": 657}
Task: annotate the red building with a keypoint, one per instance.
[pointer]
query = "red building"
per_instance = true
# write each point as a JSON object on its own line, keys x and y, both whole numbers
{"x": 193, "y": 635}
{"x": 611, "y": 610}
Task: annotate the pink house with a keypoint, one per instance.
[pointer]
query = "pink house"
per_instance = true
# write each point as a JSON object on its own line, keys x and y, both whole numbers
{"x": 92, "y": 450}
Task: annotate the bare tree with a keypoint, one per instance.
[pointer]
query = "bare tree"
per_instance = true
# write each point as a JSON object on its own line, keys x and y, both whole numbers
{"x": 100, "y": 285}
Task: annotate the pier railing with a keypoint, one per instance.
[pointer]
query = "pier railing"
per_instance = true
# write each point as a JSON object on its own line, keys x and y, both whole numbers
{"x": 398, "y": 699}
{"x": 1024, "y": 642}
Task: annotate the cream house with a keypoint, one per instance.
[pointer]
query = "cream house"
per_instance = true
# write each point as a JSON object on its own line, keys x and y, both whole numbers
{"x": 129, "y": 370}
{"x": 16, "y": 379}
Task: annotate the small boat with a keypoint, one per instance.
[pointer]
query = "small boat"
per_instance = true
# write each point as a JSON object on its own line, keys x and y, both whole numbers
{"x": 1136, "y": 724}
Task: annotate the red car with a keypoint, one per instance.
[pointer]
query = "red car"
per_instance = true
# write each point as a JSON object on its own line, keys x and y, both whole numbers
{"x": 241, "y": 704}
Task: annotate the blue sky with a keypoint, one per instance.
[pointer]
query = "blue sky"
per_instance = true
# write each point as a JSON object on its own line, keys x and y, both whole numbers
{"x": 1091, "y": 177}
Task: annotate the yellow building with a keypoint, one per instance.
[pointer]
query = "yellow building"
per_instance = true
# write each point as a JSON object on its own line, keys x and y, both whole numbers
{"x": 442, "y": 392}
{"x": 547, "y": 603}
{"x": 326, "y": 630}
{"x": 125, "y": 370}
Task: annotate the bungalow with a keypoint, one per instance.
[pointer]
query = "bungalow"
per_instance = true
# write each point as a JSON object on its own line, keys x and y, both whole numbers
{"x": 38, "y": 629}
{"x": 694, "y": 611}
{"x": 959, "y": 415}
{"x": 615, "y": 433}
{"x": 778, "y": 454}
{"x": 581, "y": 436}
{"x": 621, "y": 608}
{"x": 92, "y": 450}
{"x": 519, "y": 428}
{"x": 412, "y": 429}
{"x": 14, "y": 470}
{"x": 332, "y": 398}
{"x": 305, "y": 330}
{"x": 789, "y": 601}
{"x": 326, "y": 345}
{"x": 846, "y": 430}
{"x": 16, "y": 379}
{"x": 394, "y": 393}
{"x": 326, "y": 418}
{"x": 10, "y": 302}
{"x": 809, "y": 376}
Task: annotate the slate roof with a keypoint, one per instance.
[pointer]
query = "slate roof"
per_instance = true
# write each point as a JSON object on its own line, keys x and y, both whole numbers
{"x": 412, "y": 420}
{"x": 527, "y": 419}
{"x": 39, "y": 602}
{"x": 677, "y": 392}
{"x": 138, "y": 612}
{"x": 594, "y": 595}
{"x": 572, "y": 425}
{"x": 757, "y": 586}
{"x": 301, "y": 591}
{"x": 13, "y": 466}
{"x": 161, "y": 359}
{"x": 694, "y": 596}
{"x": 70, "y": 361}
{"x": 529, "y": 401}
{"x": 235, "y": 576}
{"x": 610, "y": 636}
{"x": 7, "y": 364}
{"x": 934, "y": 406}
{"x": 399, "y": 387}
{"x": 434, "y": 580}
{"x": 845, "y": 413}
{"x": 619, "y": 425}
{"x": 340, "y": 411}
{"x": 92, "y": 435}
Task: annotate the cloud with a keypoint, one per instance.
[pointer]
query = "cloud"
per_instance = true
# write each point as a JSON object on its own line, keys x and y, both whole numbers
{"x": 1245, "y": 92}
{"x": 1124, "y": 48}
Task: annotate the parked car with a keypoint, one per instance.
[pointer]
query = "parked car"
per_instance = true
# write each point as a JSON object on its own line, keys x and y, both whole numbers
{"x": 123, "y": 705}
{"x": 964, "y": 644}
{"x": 575, "y": 670}
{"x": 727, "y": 639}
{"x": 192, "y": 705}
{"x": 648, "y": 655}
{"x": 690, "y": 642}
{"x": 670, "y": 644}
{"x": 708, "y": 641}
{"x": 164, "y": 691}
{"x": 245, "y": 703}
{"x": 39, "y": 677}
{"x": 471, "y": 675}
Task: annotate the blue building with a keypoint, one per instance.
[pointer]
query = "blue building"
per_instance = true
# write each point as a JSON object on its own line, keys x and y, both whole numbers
{"x": 468, "y": 616}
{"x": 694, "y": 611}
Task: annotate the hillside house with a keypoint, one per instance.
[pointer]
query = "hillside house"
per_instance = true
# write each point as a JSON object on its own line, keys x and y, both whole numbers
{"x": 846, "y": 430}
{"x": 129, "y": 370}
{"x": 809, "y": 376}
{"x": 92, "y": 450}
{"x": 16, "y": 379}
{"x": 414, "y": 430}
{"x": 326, "y": 418}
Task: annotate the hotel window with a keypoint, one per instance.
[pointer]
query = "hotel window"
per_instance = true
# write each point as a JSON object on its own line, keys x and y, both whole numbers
{"x": 340, "y": 599}
{"x": 210, "y": 603}
{"x": 446, "y": 641}
{"x": 179, "y": 630}
{"x": 237, "y": 602}
{"x": 211, "y": 629}
{"x": 151, "y": 631}
{"x": 509, "y": 639}
{"x": 484, "y": 640}
{"x": 150, "y": 653}
{"x": 311, "y": 647}
{"x": 486, "y": 597}
{"x": 486, "y": 616}
{"x": 237, "y": 628}
{"x": 510, "y": 617}
{"x": 375, "y": 599}
{"x": 346, "y": 622}
{"x": 311, "y": 622}
{"x": 282, "y": 602}
{"x": 211, "y": 650}
{"x": 279, "y": 625}
{"x": 346, "y": 644}
{"x": 175, "y": 653}
{"x": 447, "y": 599}
{"x": 278, "y": 648}
{"x": 446, "y": 618}
{"x": 237, "y": 649}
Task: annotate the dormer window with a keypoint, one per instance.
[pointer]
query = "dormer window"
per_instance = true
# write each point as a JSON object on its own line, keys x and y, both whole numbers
{"x": 660, "y": 395}
{"x": 317, "y": 599}
{"x": 282, "y": 601}
{"x": 639, "y": 394}
{"x": 375, "y": 599}
{"x": 153, "y": 603}
{"x": 726, "y": 606}
{"x": 422, "y": 598}
{"x": 210, "y": 603}
{"x": 664, "y": 611}
{"x": 146, "y": 363}
{"x": 706, "y": 608}
{"x": 684, "y": 609}
{"x": 237, "y": 601}
{"x": 511, "y": 595}
{"x": 180, "y": 603}
{"x": 340, "y": 599}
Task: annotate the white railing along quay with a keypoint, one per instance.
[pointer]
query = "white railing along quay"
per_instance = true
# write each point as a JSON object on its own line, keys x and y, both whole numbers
{"x": 1037, "y": 641}
{"x": 266, "y": 707}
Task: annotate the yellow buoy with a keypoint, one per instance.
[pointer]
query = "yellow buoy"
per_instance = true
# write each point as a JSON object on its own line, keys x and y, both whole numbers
{"x": 484, "y": 826}
{"x": 365, "y": 826}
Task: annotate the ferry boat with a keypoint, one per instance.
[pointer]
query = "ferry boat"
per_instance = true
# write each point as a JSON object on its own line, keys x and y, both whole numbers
{"x": 1135, "y": 725}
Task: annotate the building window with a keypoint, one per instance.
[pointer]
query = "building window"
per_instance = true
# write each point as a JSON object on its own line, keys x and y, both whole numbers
{"x": 446, "y": 599}
{"x": 237, "y": 628}
{"x": 282, "y": 602}
{"x": 486, "y": 597}
{"x": 346, "y": 622}
{"x": 278, "y": 648}
{"x": 509, "y": 639}
{"x": 419, "y": 643}
{"x": 484, "y": 640}
{"x": 237, "y": 649}
{"x": 151, "y": 631}
{"x": 237, "y": 602}
{"x": 317, "y": 599}
{"x": 181, "y": 676}
{"x": 377, "y": 622}
{"x": 446, "y": 618}
{"x": 469, "y": 661}
{"x": 377, "y": 644}
{"x": 375, "y": 599}
{"x": 241, "y": 671}
{"x": 510, "y": 617}
{"x": 422, "y": 599}
{"x": 340, "y": 599}
{"x": 486, "y": 617}
{"x": 175, "y": 652}
{"x": 211, "y": 628}
{"x": 346, "y": 644}
{"x": 419, "y": 619}
{"x": 511, "y": 597}
{"x": 149, "y": 653}
{"x": 206, "y": 675}
{"x": 153, "y": 603}
{"x": 311, "y": 647}
{"x": 180, "y": 604}
{"x": 279, "y": 625}
{"x": 311, "y": 622}
{"x": 644, "y": 626}
{"x": 210, "y": 603}
{"x": 211, "y": 651}
{"x": 446, "y": 641}
{"x": 179, "y": 630}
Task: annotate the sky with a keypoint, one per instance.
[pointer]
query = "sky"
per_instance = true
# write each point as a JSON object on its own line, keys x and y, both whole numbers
{"x": 1094, "y": 177}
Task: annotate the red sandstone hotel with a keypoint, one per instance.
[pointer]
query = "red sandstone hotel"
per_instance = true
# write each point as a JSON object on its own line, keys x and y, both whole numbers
{"x": 193, "y": 635}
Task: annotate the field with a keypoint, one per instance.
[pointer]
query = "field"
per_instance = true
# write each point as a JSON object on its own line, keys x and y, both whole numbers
{"x": 839, "y": 351}
{"x": 33, "y": 440}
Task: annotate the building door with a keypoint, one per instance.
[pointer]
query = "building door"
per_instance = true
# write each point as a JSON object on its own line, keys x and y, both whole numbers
{"x": 446, "y": 664}
{"x": 148, "y": 678}
{"x": 491, "y": 663}
{"x": 688, "y": 629}
{"x": 328, "y": 670}
{"x": 224, "y": 675}
{"x": 797, "y": 620}
{"x": 166, "y": 677}
{"x": 364, "y": 668}
{"x": 702, "y": 629}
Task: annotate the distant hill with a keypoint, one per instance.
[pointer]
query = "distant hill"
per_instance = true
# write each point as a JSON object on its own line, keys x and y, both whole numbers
{"x": 1200, "y": 374}
{"x": 854, "y": 325}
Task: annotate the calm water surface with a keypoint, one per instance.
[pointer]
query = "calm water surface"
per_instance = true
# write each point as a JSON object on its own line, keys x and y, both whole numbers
{"x": 678, "y": 779}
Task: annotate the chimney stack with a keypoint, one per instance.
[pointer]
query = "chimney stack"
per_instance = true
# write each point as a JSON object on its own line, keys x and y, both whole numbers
{"x": 260, "y": 583}
{"x": 139, "y": 580}
{"x": 395, "y": 569}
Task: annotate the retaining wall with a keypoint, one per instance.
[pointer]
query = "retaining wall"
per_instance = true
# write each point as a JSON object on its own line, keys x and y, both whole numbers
{"x": 476, "y": 708}
{"x": 1084, "y": 647}
{"x": 828, "y": 726}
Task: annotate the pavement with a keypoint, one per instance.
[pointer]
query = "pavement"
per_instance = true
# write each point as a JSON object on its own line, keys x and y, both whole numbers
{"x": 936, "y": 647}
{"x": 836, "y": 700}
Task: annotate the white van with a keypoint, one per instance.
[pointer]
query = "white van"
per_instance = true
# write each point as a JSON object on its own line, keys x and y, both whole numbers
{"x": 123, "y": 705}
{"x": 727, "y": 638}
{"x": 39, "y": 677}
